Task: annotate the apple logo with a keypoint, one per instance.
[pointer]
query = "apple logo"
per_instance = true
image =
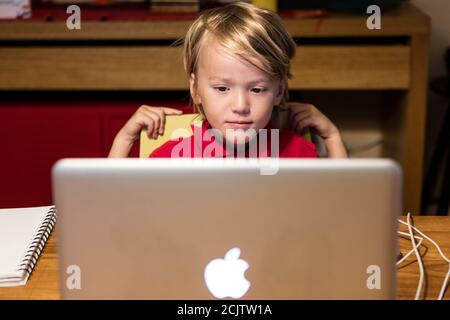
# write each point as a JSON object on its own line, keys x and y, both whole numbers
{"x": 225, "y": 277}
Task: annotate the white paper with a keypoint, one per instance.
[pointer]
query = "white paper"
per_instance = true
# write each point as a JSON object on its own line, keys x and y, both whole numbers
{"x": 18, "y": 228}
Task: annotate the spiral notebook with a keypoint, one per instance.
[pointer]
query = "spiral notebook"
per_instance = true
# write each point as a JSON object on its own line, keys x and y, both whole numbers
{"x": 23, "y": 233}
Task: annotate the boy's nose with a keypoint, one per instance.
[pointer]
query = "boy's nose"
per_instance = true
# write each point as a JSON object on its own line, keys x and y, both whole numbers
{"x": 240, "y": 104}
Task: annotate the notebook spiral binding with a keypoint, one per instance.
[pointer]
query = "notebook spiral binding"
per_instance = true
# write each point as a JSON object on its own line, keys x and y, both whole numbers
{"x": 38, "y": 243}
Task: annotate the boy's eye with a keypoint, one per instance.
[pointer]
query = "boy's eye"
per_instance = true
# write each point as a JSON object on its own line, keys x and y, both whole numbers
{"x": 221, "y": 89}
{"x": 225, "y": 89}
{"x": 258, "y": 90}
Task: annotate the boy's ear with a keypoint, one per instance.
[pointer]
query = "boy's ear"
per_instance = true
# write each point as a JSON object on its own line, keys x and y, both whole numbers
{"x": 193, "y": 89}
{"x": 282, "y": 87}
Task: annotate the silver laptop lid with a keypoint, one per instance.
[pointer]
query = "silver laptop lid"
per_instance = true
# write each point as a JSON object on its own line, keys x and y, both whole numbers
{"x": 206, "y": 228}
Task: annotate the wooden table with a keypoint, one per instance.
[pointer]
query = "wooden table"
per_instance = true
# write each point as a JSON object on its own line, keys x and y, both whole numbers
{"x": 43, "y": 284}
{"x": 438, "y": 229}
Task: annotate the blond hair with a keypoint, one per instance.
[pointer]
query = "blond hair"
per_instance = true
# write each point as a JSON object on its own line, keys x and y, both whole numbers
{"x": 255, "y": 35}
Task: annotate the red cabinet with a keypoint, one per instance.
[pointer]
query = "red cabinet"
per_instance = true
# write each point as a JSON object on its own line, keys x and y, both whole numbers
{"x": 33, "y": 136}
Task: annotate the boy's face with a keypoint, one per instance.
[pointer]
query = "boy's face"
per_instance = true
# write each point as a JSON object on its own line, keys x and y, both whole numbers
{"x": 233, "y": 93}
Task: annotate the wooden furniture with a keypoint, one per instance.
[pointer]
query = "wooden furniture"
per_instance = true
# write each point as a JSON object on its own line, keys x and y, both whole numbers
{"x": 438, "y": 229}
{"x": 441, "y": 87}
{"x": 336, "y": 53}
{"x": 43, "y": 283}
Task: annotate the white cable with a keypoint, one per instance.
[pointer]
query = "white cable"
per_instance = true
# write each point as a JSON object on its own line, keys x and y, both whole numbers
{"x": 419, "y": 258}
{"x": 444, "y": 285}
{"x": 410, "y": 251}
{"x": 429, "y": 239}
{"x": 447, "y": 277}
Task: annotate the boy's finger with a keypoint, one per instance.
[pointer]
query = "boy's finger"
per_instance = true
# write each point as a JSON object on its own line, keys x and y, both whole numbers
{"x": 162, "y": 117}
{"x": 162, "y": 120}
{"x": 299, "y": 117}
{"x": 300, "y": 121}
{"x": 157, "y": 122}
{"x": 305, "y": 123}
{"x": 163, "y": 125}
{"x": 150, "y": 127}
{"x": 171, "y": 110}
{"x": 295, "y": 112}
{"x": 150, "y": 123}
{"x": 148, "y": 108}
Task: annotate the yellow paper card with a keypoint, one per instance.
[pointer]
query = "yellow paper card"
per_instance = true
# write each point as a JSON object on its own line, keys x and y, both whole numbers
{"x": 173, "y": 122}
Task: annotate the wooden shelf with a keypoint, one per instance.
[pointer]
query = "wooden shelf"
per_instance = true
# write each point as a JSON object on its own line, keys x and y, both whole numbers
{"x": 403, "y": 21}
{"x": 141, "y": 68}
{"x": 334, "y": 53}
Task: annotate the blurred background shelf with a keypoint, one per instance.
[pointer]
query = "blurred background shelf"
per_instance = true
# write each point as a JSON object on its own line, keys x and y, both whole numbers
{"x": 136, "y": 24}
{"x": 372, "y": 84}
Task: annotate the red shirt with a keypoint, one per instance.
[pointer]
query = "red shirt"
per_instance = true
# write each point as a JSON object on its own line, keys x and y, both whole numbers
{"x": 203, "y": 144}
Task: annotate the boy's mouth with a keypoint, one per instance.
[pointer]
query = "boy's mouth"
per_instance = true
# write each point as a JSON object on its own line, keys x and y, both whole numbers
{"x": 239, "y": 124}
{"x": 240, "y": 121}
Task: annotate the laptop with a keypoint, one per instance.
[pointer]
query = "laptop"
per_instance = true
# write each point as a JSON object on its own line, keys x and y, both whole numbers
{"x": 227, "y": 228}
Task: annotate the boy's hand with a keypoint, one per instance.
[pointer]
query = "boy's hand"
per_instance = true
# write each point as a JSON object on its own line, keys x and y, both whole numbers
{"x": 304, "y": 115}
{"x": 152, "y": 118}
